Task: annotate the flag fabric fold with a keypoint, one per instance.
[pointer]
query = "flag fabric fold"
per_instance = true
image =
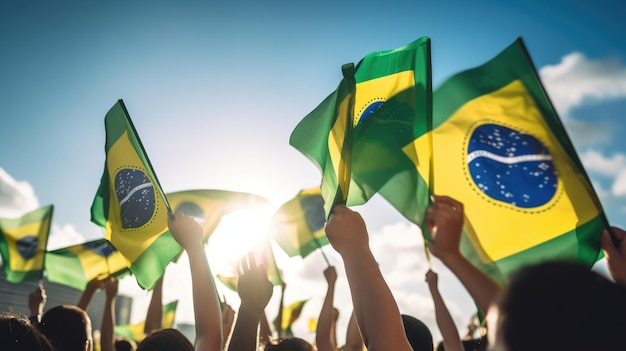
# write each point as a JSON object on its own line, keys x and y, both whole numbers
{"x": 298, "y": 225}
{"x": 496, "y": 144}
{"x": 392, "y": 91}
{"x": 23, "y": 244}
{"x": 130, "y": 203}
{"x": 76, "y": 265}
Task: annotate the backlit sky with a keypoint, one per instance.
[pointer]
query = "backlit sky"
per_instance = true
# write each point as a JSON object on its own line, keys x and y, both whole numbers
{"x": 215, "y": 89}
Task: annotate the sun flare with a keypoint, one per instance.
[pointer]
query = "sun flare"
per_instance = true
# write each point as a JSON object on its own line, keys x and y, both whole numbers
{"x": 235, "y": 236}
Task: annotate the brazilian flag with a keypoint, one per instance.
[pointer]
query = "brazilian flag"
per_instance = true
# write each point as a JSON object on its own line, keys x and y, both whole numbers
{"x": 290, "y": 314}
{"x": 136, "y": 332}
{"x": 76, "y": 265}
{"x": 298, "y": 225}
{"x": 208, "y": 206}
{"x": 130, "y": 203}
{"x": 496, "y": 144}
{"x": 23, "y": 243}
{"x": 356, "y": 134}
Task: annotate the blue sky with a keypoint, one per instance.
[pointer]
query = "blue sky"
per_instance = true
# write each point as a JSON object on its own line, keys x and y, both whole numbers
{"x": 215, "y": 89}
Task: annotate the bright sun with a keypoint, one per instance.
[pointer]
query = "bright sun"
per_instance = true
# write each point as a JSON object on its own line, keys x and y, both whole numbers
{"x": 236, "y": 234}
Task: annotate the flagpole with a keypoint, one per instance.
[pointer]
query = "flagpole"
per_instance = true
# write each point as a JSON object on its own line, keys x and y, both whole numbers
{"x": 320, "y": 247}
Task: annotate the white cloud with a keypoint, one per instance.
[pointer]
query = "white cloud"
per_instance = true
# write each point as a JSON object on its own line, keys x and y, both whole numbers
{"x": 64, "y": 236}
{"x": 16, "y": 197}
{"x": 613, "y": 167}
{"x": 576, "y": 80}
{"x": 596, "y": 162}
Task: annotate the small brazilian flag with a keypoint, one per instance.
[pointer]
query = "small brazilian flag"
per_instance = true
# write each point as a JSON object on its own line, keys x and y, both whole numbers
{"x": 497, "y": 145}
{"x": 357, "y": 133}
{"x": 136, "y": 332}
{"x": 298, "y": 225}
{"x": 290, "y": 314}
{"x": 76, "y": 265}
{"x": 130, "y": 203}
{"x": 208, "y": 206}
{"x": 23, "y": 243}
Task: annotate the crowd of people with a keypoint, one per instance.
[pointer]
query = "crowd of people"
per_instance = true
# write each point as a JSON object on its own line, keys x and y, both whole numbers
{"x": 545, "y": 306}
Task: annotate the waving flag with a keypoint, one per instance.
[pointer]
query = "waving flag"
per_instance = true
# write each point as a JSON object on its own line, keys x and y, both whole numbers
{"x": 76, "y": 265}
{"x": 498, "y": 146}
{"x": 291, "y": 313}
{"x": 298, "y": 225}
{"x": 209, "y": 206}
{"x": 392, "y": 91}
{"x": 130, "y": 203}
{"x": 23, "y": 243}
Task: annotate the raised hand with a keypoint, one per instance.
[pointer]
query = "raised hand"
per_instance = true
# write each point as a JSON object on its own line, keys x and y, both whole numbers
{"x": 346, "y": 231}
{"x": 615, "y": 255}
{"x": 254, "y": 289}
{"x": 432, "y": 279}
{"x": 185, "y": 230}
{"x": 445, "y": 220}
{"x": 330, "y": 274}
{"x": 37, "y": 300}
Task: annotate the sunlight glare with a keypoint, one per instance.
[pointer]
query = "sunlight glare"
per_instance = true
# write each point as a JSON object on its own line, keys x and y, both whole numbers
{"x": 237, "y": 234}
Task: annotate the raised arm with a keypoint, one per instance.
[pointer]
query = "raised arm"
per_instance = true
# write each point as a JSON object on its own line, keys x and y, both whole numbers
{"x": 255, "y": 291}
{"x": 228, "y": 318}
{"x": 323, "y": 334}
{"x": 154, "y": 316}
{"x": 36, "y": 302}
{"x": 354, "y": 342}
{"x": 445, "y": 220}
{"x": 615, "y": 255}
{"x": 87, "y": 295}
{"x": 188, "y": 233}
{"x": 107, "y": 336}
{"x": 376, "y": 311}
{"x": 449, "y": 333}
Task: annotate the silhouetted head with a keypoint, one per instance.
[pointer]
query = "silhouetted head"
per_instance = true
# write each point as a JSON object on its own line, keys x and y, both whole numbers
{"x": 165, "y": 339}
{"x": 18, "y": 334}
{"x": 289, "y": 344}
{"x": 418, "y": 333}
{"x": 123, "y": 344}
{"x": 68, "y": 328}
{"x": 558, "y": 306}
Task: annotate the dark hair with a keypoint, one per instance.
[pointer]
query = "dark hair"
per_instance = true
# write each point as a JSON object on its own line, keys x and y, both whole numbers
{"x": 18, "y": 334}
{"x": 67, "y": 327}
{"x": 561, "y": 306}
{"x": 166, "y": 339}
{"x": 417, "y": 333}
{"x": 289, "y": 344}
{"x": 123, "y": 344}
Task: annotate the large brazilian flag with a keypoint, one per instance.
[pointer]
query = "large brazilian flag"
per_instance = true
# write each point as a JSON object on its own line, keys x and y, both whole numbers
{"x": 23, "y": 244}
{"x": 130, "y": 203}
{"x": 298, "y": 225}
{"x": 76, "y": 265}
{"x": 497, "y": 145}
{"x": 393, "y": 90}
